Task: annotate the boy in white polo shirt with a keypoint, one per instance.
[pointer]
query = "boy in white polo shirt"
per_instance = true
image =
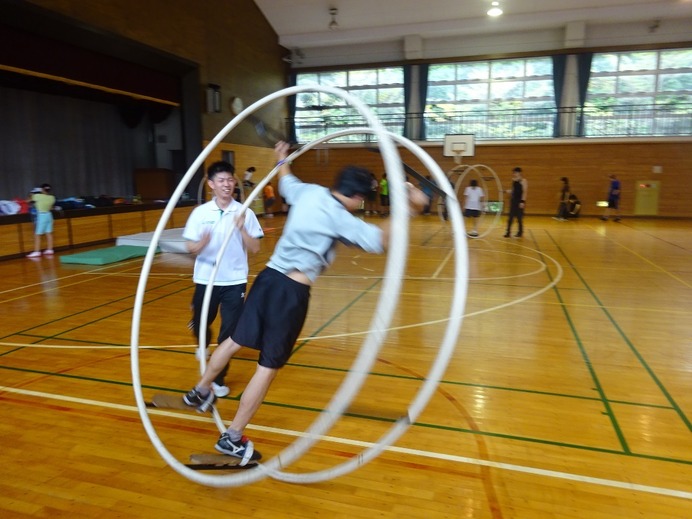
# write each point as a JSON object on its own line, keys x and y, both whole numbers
{"x": 205, "y": 232}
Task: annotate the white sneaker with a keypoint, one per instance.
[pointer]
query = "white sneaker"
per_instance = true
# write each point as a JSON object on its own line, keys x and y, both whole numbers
{"x": 197, "y": 353}
{"x": 34, "y": 254}
{"x": 220, "y": 391}
{"x": 48, "y": 252}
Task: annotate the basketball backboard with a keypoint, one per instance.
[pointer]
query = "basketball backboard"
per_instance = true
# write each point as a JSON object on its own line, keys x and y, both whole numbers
{"x": 459, "y": 145}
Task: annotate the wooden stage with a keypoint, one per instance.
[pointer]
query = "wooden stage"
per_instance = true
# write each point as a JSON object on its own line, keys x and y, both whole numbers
{"x": 569, "y": 394}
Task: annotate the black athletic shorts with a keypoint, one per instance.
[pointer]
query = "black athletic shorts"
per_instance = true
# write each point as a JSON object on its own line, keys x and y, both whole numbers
{"x": 273, "y": 317}
{"x": 472, "y": 213}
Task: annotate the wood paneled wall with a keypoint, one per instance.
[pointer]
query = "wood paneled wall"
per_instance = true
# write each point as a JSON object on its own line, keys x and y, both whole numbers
{"x": 586, "y": 163}
{"x": 232, "y": 42}
{"x": 18, "y": 238}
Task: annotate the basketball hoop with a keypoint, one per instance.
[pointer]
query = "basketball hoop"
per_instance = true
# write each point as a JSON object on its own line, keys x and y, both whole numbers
{"x": 459, "y": 145}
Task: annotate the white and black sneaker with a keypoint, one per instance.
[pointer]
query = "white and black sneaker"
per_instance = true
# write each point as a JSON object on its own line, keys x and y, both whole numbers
{"x": 220, "y": 390}
{"x": 195, "y": 399}
{"x": 242, "y": 449}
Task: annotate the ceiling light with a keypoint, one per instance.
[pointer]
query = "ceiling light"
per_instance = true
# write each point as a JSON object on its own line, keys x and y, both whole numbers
{"x": 333, "y": 25}
{"x": 495, "y": 10}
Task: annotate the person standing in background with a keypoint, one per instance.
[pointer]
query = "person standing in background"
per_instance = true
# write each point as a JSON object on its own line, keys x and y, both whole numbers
{"x": 473, "y": 204}
{"x": 247, "y": 177}
{"x": 371, "y": 199}
{"x": 269, "y": 199}
{"x": 384, "y": 196}
{"x": 517, "y": 202}
{"x": 613, "y": 199}
{"x": 428, "y": 191}
{"x": 44, "y": 202}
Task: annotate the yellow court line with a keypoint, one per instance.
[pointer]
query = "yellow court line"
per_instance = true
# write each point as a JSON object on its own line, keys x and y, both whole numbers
{"x": 400, "y": 450}
{"x": 654, "y": 265}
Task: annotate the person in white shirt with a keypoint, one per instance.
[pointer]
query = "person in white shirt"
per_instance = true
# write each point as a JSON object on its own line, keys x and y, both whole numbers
{"x": 247, "y": 177}
{"x": 205, "y": 231}
{"x": 277, "y": 305}
{"x": 473, "y": 204}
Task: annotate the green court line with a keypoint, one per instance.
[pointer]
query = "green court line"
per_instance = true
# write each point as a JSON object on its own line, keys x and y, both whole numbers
{"x": 585, "y": 356}
{"x": 124, "y": 310}
{"x": 18, "y": 348}
{"x": 483, "y": 386}
{"x": 460, "y": 430}
{"x": 124, "y": 298}
{"x": 434, "y": 426}
{"x": 433, "y": 235}
{"x": 336, "y": 315}
{"x": 634, "y": 350}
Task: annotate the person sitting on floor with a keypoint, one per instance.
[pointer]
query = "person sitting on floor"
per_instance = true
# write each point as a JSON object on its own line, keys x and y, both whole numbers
{"x": 573, "y": 206}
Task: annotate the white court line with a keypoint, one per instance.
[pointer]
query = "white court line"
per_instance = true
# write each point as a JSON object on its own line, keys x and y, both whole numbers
{"x": 96, "y": 346}
{"x": 443, "y": 264}
{"x": 96, "y": 271}
{"x": 401, "y": 450}
{"x": 62, "y": 278}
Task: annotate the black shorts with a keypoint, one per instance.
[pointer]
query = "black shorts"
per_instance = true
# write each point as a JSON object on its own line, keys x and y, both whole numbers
{"x": 472, "y": 213}
{"x": 273, "y": 317}
{"x": 613, "y": 202}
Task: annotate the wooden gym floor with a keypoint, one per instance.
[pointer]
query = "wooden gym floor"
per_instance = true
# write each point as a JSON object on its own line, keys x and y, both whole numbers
{"x": 564, "y": 401}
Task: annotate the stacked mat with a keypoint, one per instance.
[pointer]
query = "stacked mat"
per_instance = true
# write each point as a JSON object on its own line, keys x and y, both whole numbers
{"x": 106, "y": 256}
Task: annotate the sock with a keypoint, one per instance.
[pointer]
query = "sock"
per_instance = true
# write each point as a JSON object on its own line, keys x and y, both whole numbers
{"x": 234, "y": 435}
{"x": 204, "y": 391}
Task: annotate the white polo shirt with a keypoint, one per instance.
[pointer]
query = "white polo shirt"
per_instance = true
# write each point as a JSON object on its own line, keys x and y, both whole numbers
{"x": 208, "y": 217}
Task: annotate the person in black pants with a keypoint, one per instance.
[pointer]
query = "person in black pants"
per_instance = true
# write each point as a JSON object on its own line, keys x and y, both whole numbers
{"x": 562, "y": 208}
{"x": 517, "y": 202}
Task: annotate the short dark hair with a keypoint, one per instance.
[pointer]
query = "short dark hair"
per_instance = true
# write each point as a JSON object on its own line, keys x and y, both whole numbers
{"x": 474, "y": 182}
{"x": 352, "y": 181}
{"x": 516, "y": 170}
{"x": 220, "y": 167}
{"x": 46, "y": 187}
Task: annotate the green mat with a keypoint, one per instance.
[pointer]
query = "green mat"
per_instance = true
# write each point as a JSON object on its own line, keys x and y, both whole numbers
{"x": 106, "y": 256}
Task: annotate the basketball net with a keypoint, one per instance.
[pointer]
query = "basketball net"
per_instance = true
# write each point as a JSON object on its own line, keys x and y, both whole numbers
{"x": 458, "y": 148}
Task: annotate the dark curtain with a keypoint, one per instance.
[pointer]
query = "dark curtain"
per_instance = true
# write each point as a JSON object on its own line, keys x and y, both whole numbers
{"x": 291, "y": 101}
{"x": 422, "y": 97}
{"x": 408, "y": 126}
{"x": 584, "y": 74}
{"x": 559, "y": 67}
{"x": 79, "y": 147}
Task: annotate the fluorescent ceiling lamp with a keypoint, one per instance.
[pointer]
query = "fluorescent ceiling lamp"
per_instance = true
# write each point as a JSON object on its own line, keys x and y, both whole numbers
{"x": 495, "y": 10}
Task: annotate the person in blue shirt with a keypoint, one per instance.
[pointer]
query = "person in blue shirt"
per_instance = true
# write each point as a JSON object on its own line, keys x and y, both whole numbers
{"x": 613, "y": 199}
{"x": 277, "y": 305}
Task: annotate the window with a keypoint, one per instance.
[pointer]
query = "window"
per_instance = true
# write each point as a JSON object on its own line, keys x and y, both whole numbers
{"x": 510, "y": 98}
{"x": 640, "y": 93}
{"x": 318, "y": 114}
